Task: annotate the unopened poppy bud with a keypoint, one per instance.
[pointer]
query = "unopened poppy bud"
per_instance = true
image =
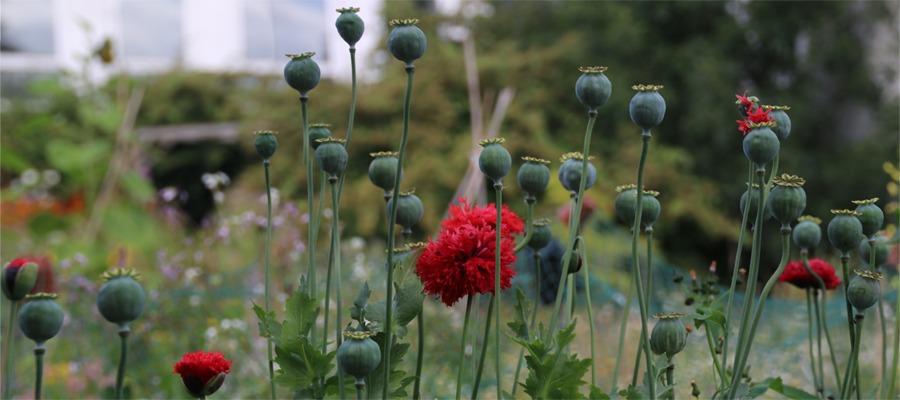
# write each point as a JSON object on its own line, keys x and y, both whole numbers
{"x": 779, "y": 115}
{"x": 570, "y": 172}
{"x": 870, "y": 215}
{"x": 647, "y": 107}
{"x": 121, "y": 298}
{"x": 575, "y": 263}
{"x": 540, "y": 234}
{"x": 494, "y": 160}
{"x": 40, "y": 319}
{"x": 19, "y": 278}
{"x": 807, "y": 233}
{"x": 787, "y": 199}
{"x": 406, "y": 41}
{"x": 533, "y": 176}
{"x": 383, "y": 169}
{"x": 349, "y": 25}
{"x": 844, "y": 230}
{"x": 266, "y": 143}
{"x": 593, "y": 88}
{"x": 864, "y": 289}
{"x": 669, "y": 335}
{"x": 332, "y": 157}
{"x": 881, "y": 251}
{"x": 761, "y": 145}
{"x": 318, "y": 131}
{"x": 301, "y": 72}
{"x": 409, "y": 209}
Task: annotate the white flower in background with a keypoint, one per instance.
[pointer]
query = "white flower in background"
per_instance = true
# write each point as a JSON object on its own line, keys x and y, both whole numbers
{"x": 276, "y": 198}
{"x": 168, "y": 194}
{"x": 218, "y": 197}
{"x": 357, "y": 243}
{"x": 211, "y": 332}
{"x": 327, "y": 213}
{"x": 51, "y": 177}
{"x": 191, "y": 273}
{"x": 30, "y": 177}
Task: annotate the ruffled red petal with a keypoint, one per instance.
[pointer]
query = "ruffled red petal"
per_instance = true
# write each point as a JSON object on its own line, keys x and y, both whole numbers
{"x": 202, "y": 366}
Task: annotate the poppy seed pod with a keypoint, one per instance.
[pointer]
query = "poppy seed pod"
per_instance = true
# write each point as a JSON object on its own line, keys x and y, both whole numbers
{"x": 779, "y": 115}
{"x": 881, "y": 251}
{"x": 575, "y": 263}
{"x": 647, "y": 107}
{"x": 844, "y": 230}
{"x": 669, "y": 335}
{"x": 332, "y": 157}
{"x": 121, "y": 299}
{"x": 540, "y": 234}
{"x": 787, "y": 199}
{"x": 807, "y": 233}
{"x": 593, "y": 88}
{"x": 625, "y": 202}
{"x": 301, "y": 72}
{"x": 534, "y": 175}
{"x": 870, "y": 215}
{"x": 570, "y": 171}
{"x": 409, "y": 209}
{"x": 266, "y": 143}
{"x": 40, "y": 318}
{"x": 864, "y": 289}
{"x": 761, "y": 145}
{"x": 349, "y": 25}
{"x": 19, "y": 278}
{"x": 406, "y": 41}
{"x": 358, "y": 354}
{"x": 494, "y": 160}
{"x": 318, "y": 131}
{"x": 751, "y": 197}
{"x": 383, "y": 168}
{"x": 650, "y": 208}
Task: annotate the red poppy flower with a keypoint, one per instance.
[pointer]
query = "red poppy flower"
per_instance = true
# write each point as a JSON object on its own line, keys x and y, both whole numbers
{"x": 203, "y": 372}
{"x": 755, "y": 115}
{"x": 748, "y": 102}
{"x": 460, "y": 261}
{"x": 795, "y": 274}
{"x": 45, "y": 281}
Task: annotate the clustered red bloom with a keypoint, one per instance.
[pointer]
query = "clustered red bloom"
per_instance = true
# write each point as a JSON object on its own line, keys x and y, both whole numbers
{"x": 460, "y": 261}
{"x": 45, "y": 282}
{"x": 755, "y": 114}
{"x": 795, "y": 274}
{"x": 198, "y": 368}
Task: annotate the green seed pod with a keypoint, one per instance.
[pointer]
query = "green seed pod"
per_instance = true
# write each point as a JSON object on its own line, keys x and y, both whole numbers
{"x": 882, "y": 249}
{"x": 540, "y": 234}
{"x": 864, "y": 289}
{"x": 406, "y": 41}
{"x": 593, "y": 88}
{"x": 494, "y": 160}
{"x": 647, "y": 108}
{"x": 570, "y": 172}
{"x": 807, "y": 233}
{"x": 787, "y": 199}
{"x": 669, "y": 335}
{"x": 534, "y": 176}
{"x": 870, "y": 215}
{"x": 383, "y": 169}
{"x": 40, "y": 318}
{"x": 266, "y": 143}
{"x": 844, "y": 230}
{"x": 782, "y": 126}
{"x": 302, "y": 72}
{"x": 318, "y": 131}
{"x": 575, "y": 263}
{"x": 761, "y": 145}
{"x": 624, "y": 206}
{"x": 121, "y": 298}
{"x": 409, "y": 209}
{"x": 358, "y": 354}
{"x": 751, "y": 197}
{"x": 19, "y": 278}
{"x": 349, "y": 25}
{"x": 650, "y": 208}
{"x": 332, "y": 157}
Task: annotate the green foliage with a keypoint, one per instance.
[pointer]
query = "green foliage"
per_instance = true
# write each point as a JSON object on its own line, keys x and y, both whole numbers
{"x": 519, "y": 324}
{"x": 399, "y": 379}
{"x": 776, "y": 385}
{"x": 553, "y": 372}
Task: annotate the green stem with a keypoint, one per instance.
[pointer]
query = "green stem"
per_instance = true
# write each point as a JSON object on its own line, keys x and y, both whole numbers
{"x": 529, "y": 229}
{"x": 717, "y": 371}
{"x": 10, "y": 349}
{"x": 39, "y": 351}
{"x": 884, "y": 336}
{"x": 537, "y": 299}
{"x": 734, "y": 271}
{"x": 811, "y": 340}
{"x": 336, "y": 256}
{"x": 637, "y": 359}
{"x": 484, "y": 346}
{"x": 847, "y": 387}
{"x": 574, "y": 219}
{"x": 498, "y": 237}
{"x": 311, "y": 229}
{"x": 626, "y": 311}
{"x": 845, "y": 267}
{"x": 892, "y": 387}
{"x": 590, "y": 309}
{"x": 268, "y": 275}
{"x": 392, "y": 220}
{"x": 462, "y": 346}
{"x": 670, "y": 378}
{"x": 328, "y": 273}
{"x": 420, "y": 354}
{"x": 123, "y": 357}
{"x": 352, "y": 113}
{"x": 360, "y": 385}
{"x": 821, "y": 320}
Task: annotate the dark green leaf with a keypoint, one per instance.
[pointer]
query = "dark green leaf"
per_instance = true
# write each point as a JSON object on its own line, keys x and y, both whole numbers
{"x": 519, "y": 324}
{"x": 409, "y": 300}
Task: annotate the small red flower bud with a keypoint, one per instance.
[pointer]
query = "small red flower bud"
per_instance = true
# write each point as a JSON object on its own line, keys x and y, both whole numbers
{"x": 203, "y": 372}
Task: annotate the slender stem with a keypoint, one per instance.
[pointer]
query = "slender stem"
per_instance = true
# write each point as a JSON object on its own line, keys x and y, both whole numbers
{"x": 352, "y": 114}
{"x": 335, "y": 254}
{"x": 884, "y": 336}
{"x": 640, "y": 350}
{"x": 392, "y": 220}
{"x": 717, "y": 371}
{"x": 854, "y": 356}
{"x": 570, "y": 297}
{"x": 845, "y": 270}
{"x": 815, "y": 302}
{"x": 811, "y": 340}
{"x": 311, "y": 229}
{"x": 529, "y": 222}
{"x": 734, "y": 270}
{"x": 626, "y": 311}
{"x": 360, "y": 385}
{"x": 892, "y": 387}
{"x": 420, "y": 354}
{"x": 574, "y": 219}
{"x": 268, "y": 252}
{"x": 670, "y": 378}
{"x": 327, "y": 311}
{"x": 590, "y": 309}
{"x": 820, "y": 317}
{"x": 537, "y": 298}
{"x": 123, "y": 357}
{"x": 498, "y": 237}
{"x": 38, "y": 369}
{"x": 462, "y": 346}
{"x": 484, "y": 346}
{"x": 10, "y": 349}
